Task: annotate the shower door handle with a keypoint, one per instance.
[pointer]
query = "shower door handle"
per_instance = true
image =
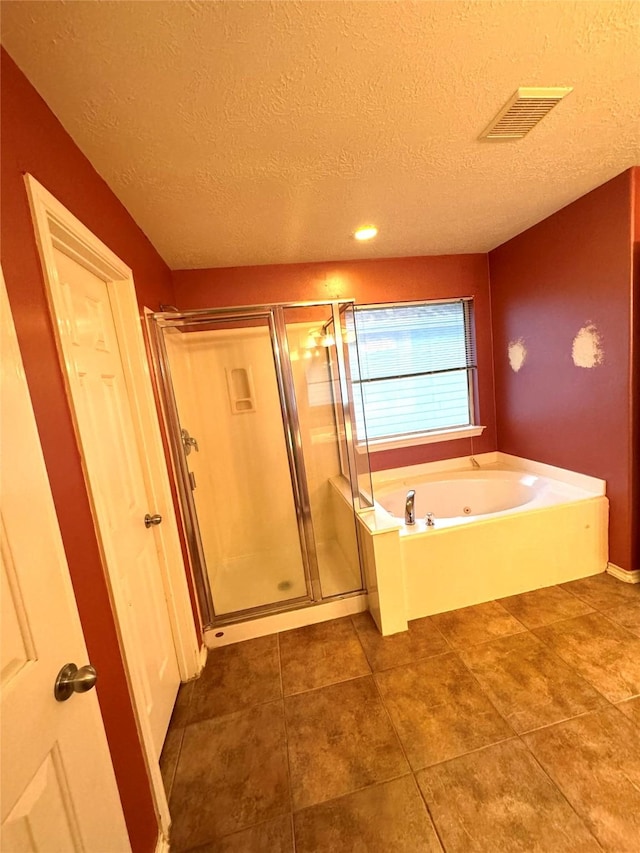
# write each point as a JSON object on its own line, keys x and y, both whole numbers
{"x": 188, "y": 442}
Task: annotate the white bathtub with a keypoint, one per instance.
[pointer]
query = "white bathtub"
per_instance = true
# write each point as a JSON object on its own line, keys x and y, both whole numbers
{"x": 510, "y": 527}
{"x": 466, "y": 496}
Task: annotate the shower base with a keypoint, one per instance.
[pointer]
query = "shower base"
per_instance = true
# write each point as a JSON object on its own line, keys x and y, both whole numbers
{"x": 275, "y": 577}
{"x": 298, "y": 617}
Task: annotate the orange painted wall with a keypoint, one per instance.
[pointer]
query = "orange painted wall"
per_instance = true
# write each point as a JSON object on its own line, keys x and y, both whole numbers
{"x": 32, "y": 140}
{"x": 571, "y": 269}
{"x": 386, "y": 280}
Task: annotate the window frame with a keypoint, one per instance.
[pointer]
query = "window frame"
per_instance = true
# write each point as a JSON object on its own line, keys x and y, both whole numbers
{"x": 410, "y": 439}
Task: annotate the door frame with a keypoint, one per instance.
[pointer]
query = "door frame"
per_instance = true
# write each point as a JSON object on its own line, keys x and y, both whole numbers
{"x": 56, "y": 228}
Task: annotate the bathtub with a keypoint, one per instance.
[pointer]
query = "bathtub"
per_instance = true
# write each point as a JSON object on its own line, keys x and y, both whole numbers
{"x": 465, "y": 496}
{"x": 510, "y": 527}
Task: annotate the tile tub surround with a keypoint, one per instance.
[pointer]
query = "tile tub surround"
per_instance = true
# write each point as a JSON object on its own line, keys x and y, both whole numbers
{"x": 558, "y": 536}
{"x": 461, "y": 739}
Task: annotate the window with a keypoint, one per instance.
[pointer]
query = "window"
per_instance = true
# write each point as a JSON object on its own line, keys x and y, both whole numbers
{"x": 416, "y": 364}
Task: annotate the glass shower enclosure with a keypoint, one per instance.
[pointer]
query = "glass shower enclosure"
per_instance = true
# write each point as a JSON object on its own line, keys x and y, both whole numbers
{"x": 259, "y": 411}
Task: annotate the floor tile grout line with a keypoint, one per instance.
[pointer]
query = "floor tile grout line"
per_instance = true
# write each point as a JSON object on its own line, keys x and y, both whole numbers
{"x": 468, "y": 752}
{"x": 364, "y": 651}
{"x": 286, "y": 741}
{"x": 569, "y": 666}
{"x": 435, "y": 627}
{"x": 335, "y": 799}
{"x": 447, "y": 651}
{"x": 340, "y": 679}
{"x": 560, "y": 791}
{"x": 169, "y": 785}
{"x": 497, "y": 601}
{"x": 450, "y": 650}
{"x": 390, "y": 718}
{"x": 603, "y": 613}
{"x": 292, "y": 824}
{"x": 589, "y": 604}
{"x": 486, "y": 694}
{"x": 532, "y": 592}
{"x": 490, "y": 640}
{"x": 217, "y": 838}
{"x": 456, "y": 648}
{"x": 482, "y": 690}
{"x": 428, "y": 810}
{"x": 328, "y": 684}
{"x": 412, "y": 772}
{"x": 413, "y": 661}
{"x": 240, "y": 710}
{"x": 568, "y": 719}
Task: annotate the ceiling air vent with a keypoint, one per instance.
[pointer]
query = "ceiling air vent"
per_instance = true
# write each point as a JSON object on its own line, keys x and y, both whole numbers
{"x": 523, "y": 111}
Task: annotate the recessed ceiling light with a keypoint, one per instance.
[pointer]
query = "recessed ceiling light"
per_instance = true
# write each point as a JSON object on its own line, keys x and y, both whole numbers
{"x": 367, "y": 232}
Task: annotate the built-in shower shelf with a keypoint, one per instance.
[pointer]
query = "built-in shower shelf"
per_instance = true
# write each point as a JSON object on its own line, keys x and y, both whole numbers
{"x": 241, "y": 392}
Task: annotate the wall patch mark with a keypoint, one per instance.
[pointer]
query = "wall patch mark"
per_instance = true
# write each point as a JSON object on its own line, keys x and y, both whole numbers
{"x": 517, "y": 354}
{"x": 587, "y": 348}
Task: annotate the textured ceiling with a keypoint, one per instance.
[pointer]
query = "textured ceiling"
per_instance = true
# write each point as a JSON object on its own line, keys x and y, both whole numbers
{"x": 251, "y": 133}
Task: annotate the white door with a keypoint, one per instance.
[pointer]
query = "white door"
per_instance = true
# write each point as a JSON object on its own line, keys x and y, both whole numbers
{"x": 55, "y": 757}
{"x": 114, "y": 463}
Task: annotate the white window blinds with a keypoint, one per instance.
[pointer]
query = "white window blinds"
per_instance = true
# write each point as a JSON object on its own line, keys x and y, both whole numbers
{"x": 414, "y": 368}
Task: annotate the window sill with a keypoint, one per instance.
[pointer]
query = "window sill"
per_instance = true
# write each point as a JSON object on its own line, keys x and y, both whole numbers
{"x": 421, "y": 438}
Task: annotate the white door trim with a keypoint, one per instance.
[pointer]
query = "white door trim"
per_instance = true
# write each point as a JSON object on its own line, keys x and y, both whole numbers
{"x": 57, "y": 228}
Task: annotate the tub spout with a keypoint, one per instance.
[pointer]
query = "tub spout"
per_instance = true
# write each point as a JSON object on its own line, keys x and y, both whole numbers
{"x": 409, "y": 508}
{"x": 474, "y": 462}
{"x": 430, "y": 519}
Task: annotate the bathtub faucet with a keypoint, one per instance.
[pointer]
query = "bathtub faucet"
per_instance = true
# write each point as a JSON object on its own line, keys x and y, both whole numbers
{"x": 409, "y": 508}
{"x": 430, "y": 519}
{"x": 474, "y": 462}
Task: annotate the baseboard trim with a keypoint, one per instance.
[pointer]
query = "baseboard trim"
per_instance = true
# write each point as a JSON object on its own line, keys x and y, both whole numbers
{"x": 204, "y": 651}
{"x": 162, "y": 845}
{"x": 622, "y": 574}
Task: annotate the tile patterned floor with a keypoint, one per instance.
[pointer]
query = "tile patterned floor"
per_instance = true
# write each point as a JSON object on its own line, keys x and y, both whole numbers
{"x": 510, "y": 726}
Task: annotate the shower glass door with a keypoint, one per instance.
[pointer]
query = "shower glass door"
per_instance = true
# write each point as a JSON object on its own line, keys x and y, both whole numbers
{"x": 316, "y": 359}
{"x": 229, "y": 395}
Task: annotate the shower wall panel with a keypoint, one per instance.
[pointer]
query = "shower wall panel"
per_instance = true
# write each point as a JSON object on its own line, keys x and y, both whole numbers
{"x": 243, "y": 495}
